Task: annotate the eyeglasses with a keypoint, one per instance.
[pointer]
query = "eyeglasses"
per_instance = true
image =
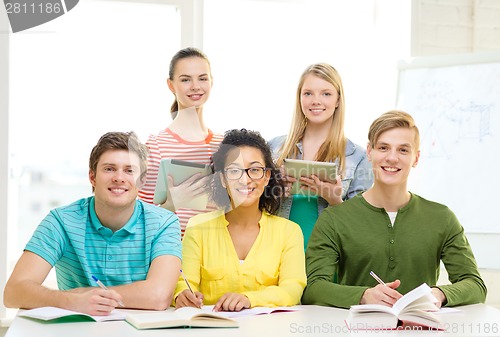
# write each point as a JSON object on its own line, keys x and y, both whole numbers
{"x": 254, "y": 173}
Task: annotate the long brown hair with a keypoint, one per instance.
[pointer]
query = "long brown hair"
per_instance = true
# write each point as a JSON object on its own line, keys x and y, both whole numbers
{"x": 182, "y": 54}
{"x": 333, "y": 147}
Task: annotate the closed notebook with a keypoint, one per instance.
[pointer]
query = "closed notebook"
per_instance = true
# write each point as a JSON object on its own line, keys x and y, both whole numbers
{"x": 62, "y": 315}
{"x": 416, "y": 308}
{"x": 186, "y": 317}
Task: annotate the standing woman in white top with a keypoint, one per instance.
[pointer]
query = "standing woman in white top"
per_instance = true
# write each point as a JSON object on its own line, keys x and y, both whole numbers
{"x": 187, "y": 137}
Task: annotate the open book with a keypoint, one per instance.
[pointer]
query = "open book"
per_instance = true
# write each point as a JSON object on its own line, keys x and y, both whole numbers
{"x": 181, "y": 318}
{"x": 63, "y": 315}
{"x": 253, "y": 311}
{"x": 416, "y": 308}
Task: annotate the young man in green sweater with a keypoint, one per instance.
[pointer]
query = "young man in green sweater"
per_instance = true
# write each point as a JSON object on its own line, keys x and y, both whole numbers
{"x": 399, "y": 235}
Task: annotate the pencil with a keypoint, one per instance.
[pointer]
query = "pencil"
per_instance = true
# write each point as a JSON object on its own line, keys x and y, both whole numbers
{"x": 185, "y": 280}
{"x": 379, "y": 280}
{"x": 100, "y": 284}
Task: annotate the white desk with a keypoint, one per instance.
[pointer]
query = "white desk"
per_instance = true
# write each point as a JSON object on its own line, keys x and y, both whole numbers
{"x": 475, "y": 320}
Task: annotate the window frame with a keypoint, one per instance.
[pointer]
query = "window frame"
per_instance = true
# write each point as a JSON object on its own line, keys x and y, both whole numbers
{"x": 4, "y": 153}
{"x": 191, "y": 13}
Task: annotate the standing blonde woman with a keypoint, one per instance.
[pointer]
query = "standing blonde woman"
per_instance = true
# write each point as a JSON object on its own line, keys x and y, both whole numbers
{"x": 317, "y": 133}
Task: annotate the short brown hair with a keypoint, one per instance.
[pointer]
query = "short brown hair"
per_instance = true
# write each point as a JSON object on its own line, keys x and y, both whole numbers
{"x": 391, "y": 120}
{"x": 120, "y": 141}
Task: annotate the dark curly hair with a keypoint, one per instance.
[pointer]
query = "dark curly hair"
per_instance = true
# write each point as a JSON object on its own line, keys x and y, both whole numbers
{"x": 270, "y": 200}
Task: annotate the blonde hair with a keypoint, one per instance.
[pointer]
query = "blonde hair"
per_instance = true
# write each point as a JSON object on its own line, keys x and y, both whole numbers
{"x": 391, "y": 120}
{"x": 334, "y": 146}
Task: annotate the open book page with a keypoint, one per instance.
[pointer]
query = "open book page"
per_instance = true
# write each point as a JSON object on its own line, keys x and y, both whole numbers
{"x": 424, "y": 317}
{"x": 417, "y": 307}
{"x": 188, "y": 313}
{"x": 253, "y": 311}
{"x": 182, "y": 317}
{"x": 53, "y": 313}
{"x": 371, "y": 320}
{"x": 420, "y": 317}
{"x": 421, "y": 297}
{"x": 184, "y": 313}
{"x": 422, "y": 304}
{"x": 368, "y": 308}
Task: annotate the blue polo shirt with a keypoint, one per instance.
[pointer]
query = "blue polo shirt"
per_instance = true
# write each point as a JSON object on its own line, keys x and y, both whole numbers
{"x": 73, "y": 240}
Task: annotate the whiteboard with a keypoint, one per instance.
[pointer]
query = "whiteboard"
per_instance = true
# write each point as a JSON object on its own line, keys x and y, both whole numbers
{"x": 455, "y": 101}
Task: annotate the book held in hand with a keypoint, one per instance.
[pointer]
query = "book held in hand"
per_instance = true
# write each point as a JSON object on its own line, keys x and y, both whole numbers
{"x": 186, "y": 317}
{"x": 298, "y": 168}
{"x": 180, "y": 171}
{"x": 416, "y": 308}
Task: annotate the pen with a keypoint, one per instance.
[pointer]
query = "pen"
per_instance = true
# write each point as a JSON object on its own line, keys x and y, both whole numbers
{"x": 185, "y": 280}
{"x": 190, "y": 289}
{"x": 379, "y": 280}
{"x": 100, "y": 284}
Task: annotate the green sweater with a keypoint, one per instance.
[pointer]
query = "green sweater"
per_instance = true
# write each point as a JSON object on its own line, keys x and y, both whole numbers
{"x": 354, "y": 238}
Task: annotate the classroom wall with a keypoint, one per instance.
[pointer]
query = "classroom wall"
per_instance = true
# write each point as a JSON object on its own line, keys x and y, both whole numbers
{"x": 455, "y": 26}
{"x": 490, "y": 277}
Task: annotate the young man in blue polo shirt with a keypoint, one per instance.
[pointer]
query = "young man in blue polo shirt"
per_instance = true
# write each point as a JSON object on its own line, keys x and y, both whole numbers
{"x": 132, "y": 247}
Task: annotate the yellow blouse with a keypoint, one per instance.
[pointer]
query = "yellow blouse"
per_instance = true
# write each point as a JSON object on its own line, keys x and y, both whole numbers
{"x": 273, "y": 273}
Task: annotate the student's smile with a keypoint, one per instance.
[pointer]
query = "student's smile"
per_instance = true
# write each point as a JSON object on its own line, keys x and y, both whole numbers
{"x": 191, "y": 83}
{"x": 393, "y": 156}
{"x": 316, "y": 111}
{"x": 196, "y": 97}
{"x": 115, "y": 179}
{"x": 118, "y": 190}
{"x": 319, "y": 99}
{"x": 390, "y": 169}
{"x": 246, "y": 191}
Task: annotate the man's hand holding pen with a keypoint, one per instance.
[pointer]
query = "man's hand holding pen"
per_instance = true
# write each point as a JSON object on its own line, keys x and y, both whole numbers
{"x": 94, "y": 301}
{"x": 383, "y": 293}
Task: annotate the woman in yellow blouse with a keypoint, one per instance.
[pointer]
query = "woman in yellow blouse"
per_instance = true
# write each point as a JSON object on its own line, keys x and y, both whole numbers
{"x": 242, "y": 255}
